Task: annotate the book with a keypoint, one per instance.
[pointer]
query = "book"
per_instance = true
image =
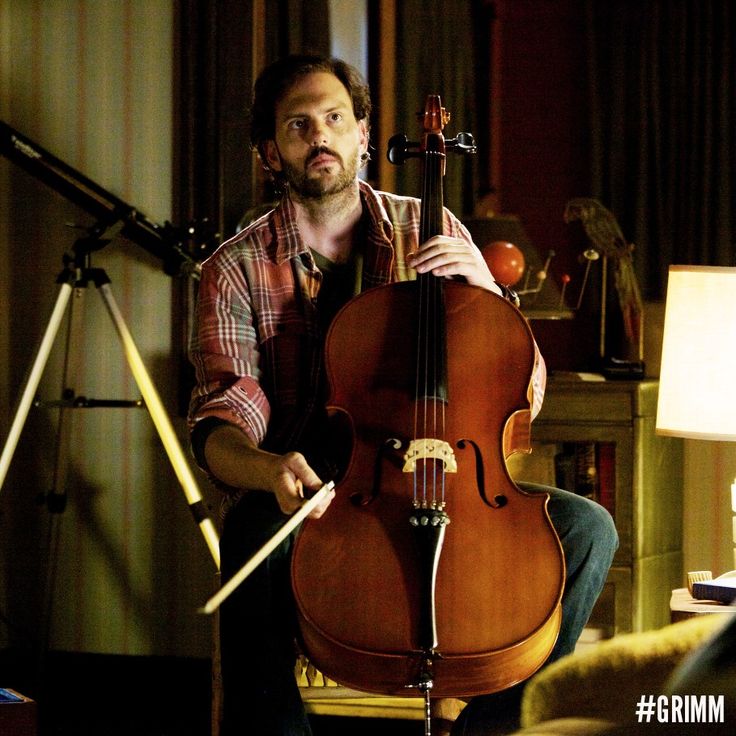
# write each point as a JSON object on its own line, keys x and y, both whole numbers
{"x": 588, "y": 469}
{"x": 606, "y": 461}
{"x": 564, "y": 462}
{"x": 576, "y": 468}
{"x": 722, "y": 590}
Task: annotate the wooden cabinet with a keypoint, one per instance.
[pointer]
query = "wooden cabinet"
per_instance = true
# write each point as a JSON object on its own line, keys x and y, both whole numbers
{"x": 637, "y": 475}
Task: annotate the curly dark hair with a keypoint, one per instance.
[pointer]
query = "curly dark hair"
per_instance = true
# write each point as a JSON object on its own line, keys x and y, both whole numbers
{"x": 277, "y": 78}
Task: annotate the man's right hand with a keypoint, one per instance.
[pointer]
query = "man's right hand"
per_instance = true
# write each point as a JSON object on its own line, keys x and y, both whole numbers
{"x": 292, "y": 475}
{"x": 234, "y": 459}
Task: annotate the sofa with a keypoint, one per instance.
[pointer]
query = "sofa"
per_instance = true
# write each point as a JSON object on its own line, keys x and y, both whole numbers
{"x": 599, "y": 691}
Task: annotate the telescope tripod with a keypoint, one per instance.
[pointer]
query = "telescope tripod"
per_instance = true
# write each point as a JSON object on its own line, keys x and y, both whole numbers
{"x": 77, "y": 275}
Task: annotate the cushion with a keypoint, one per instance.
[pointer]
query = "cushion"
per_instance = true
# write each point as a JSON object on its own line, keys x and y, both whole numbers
{"x": 606, "y": 681}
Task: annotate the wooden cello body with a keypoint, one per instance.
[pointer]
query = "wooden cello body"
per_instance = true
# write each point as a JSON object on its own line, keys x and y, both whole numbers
{"x": 431, "y": 569}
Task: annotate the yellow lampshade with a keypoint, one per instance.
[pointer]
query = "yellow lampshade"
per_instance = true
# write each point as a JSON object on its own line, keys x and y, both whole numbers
{"x": 697, "y": 384}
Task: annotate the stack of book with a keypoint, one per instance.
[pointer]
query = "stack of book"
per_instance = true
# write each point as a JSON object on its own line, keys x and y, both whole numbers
{"x": 588, "y": 469}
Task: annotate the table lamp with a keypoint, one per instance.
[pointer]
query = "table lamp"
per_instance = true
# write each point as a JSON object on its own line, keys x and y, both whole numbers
{"x": 697, "y": 384}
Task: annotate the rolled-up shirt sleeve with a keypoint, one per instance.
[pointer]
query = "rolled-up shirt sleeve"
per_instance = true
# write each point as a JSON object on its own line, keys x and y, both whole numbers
{"x": 224, "y": 353}
{"x": 539, "y": 381}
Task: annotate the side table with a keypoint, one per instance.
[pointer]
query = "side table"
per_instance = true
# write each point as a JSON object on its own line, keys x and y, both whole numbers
{"x": 683, "y": 605}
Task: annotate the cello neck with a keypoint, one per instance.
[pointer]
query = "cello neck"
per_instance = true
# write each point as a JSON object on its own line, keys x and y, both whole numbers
{"x": 434, "y": 157}
{"x": 431, "y": 336}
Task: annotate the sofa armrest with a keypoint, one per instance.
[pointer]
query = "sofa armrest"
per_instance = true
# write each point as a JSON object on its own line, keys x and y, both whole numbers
{"x": 606, "y": 681}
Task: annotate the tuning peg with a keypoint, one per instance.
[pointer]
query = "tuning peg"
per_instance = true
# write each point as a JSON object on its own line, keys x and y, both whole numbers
{"x": 399, "y": 149}
{"x": 462, "y": 143}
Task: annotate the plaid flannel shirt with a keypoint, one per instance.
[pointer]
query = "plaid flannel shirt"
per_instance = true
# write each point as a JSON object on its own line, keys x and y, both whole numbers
{"x": 257, "y": 348}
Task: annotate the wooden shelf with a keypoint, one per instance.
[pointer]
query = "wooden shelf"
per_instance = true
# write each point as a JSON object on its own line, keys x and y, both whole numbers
{"x": 647, "y": 497}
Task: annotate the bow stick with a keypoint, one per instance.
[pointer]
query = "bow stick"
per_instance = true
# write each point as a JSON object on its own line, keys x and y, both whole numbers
{"x": 304, "y": 510}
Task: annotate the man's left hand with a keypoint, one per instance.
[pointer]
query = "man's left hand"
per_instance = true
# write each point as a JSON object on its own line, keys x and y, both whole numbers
{"x": 445, "y": 256}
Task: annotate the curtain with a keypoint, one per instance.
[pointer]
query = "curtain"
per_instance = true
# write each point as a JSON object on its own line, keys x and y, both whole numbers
{"x": 435, "y": 55}
{"x": 301, "y": 26}
{"x": 662, "y": 112}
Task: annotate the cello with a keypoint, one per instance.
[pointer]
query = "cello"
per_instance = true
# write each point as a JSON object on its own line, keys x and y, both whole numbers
{"x": 432, "y": 569}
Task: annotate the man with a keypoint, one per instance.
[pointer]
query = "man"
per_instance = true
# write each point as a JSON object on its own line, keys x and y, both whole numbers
{"x": 258, "y": 425}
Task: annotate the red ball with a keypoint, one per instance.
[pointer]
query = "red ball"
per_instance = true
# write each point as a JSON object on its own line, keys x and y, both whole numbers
{"x": 505, "y": 260}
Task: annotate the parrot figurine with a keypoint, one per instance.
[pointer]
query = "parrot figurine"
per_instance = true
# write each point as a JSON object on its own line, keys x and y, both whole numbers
{"x": 603, "y": 231}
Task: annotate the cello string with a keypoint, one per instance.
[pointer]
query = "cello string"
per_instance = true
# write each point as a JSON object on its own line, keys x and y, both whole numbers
{"x": 416, "y": 384}
{"x": 435, "y": 287}
{"x": 421, "y": 368}
{"x": 439, "y": 340}
{"x": 429, "y": 381}
{"x": 427, "y": 200}
{"x": 434, "y": 306}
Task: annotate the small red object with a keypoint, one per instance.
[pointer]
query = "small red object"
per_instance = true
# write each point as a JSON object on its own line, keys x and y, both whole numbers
{"x": 505, "y": 260}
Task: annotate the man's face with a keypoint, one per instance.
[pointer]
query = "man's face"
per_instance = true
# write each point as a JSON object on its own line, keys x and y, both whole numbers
{"x": 318, "y": 142}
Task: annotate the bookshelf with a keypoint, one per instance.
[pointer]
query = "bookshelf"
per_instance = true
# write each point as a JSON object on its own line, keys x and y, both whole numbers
{"x": 599, "y": 438}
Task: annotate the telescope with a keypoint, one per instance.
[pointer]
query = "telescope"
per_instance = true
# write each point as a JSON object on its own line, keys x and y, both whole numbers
{"x": 113, "y": 216}
{"x": 179, "y": 250}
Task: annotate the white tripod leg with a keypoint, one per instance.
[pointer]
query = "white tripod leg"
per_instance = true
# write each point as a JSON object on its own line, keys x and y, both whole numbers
{"x": 34, "y": 378}
{"x": 163, "y": 425}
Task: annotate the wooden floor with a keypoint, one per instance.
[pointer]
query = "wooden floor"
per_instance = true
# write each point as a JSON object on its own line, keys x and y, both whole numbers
{"x": 102, "y": 695}
{"x": 333, "y": 726}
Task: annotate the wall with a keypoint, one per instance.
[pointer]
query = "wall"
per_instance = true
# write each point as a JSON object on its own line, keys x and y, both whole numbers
{"x": 349, "y": 32}
{"x": 123, "y": 569}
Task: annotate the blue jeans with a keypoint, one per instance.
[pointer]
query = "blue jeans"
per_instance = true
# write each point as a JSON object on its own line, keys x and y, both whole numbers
{"x": 257, "y": 622}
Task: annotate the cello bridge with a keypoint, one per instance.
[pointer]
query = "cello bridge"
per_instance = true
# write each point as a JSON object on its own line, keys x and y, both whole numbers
{"x": 429, "y": 449}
